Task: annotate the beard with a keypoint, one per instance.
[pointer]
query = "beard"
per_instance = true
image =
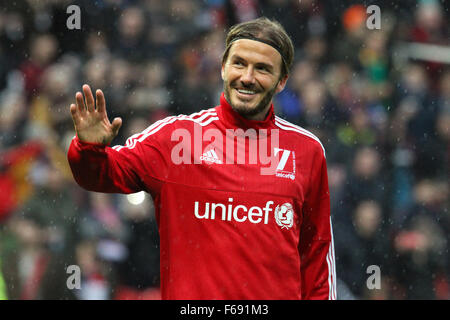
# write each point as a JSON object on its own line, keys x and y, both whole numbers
{"x": 242, "y": 107}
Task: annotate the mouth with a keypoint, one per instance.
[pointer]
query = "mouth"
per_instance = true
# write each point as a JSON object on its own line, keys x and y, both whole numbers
{"x": 245, "y": 93}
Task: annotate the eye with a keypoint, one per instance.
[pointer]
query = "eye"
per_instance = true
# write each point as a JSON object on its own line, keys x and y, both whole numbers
{"x": 263, "y": 68}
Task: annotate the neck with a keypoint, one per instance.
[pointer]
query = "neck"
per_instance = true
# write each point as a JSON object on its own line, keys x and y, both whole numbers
{"x": 233, "y": 119}
{"x": 257, "y": 117}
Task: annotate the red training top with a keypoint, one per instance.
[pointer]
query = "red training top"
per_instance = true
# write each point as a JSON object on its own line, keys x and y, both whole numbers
{"x": 228, "y": 229}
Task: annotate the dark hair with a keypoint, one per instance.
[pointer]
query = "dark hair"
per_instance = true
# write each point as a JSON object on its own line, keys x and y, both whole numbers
{"x": 267, "y": 31}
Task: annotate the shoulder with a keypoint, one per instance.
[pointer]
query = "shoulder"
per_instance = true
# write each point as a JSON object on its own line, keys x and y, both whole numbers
{"x": 203, "y": 117}
{"x": 303, "y": 136}
{"x": 162, "y": 129}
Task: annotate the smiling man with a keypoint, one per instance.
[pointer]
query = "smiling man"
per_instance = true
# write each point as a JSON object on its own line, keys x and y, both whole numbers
{"x": 226, "y": 230}
{"x": 254, "y": 69}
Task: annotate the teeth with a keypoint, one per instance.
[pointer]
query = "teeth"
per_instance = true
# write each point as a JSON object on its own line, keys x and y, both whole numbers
{"x": 246, "y": 91}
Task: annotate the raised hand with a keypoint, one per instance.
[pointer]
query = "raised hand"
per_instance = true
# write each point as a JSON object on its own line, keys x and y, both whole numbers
{"x": 91, "y": 121}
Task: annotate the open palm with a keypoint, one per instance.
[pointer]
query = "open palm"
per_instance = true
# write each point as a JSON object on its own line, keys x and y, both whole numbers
{"x": 91, "y": 120}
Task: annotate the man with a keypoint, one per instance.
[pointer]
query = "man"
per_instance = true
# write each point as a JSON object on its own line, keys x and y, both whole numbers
{"x": 228, "y": 229}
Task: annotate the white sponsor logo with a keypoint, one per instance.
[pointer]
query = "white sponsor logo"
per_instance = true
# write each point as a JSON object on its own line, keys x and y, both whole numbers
{"x": 229, "y": 212}
{"x": 281, "y": 171}
{"x": 285, "y": 175}
{"x": 284, "y": 215}
{"x": 210, "y": 157}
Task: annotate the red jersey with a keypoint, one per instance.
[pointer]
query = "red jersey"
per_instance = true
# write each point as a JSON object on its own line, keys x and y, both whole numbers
{"x": 228, "y": 230}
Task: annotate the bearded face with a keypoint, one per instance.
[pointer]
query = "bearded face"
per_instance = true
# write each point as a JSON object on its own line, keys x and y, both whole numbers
{"x": 251, "y": 77}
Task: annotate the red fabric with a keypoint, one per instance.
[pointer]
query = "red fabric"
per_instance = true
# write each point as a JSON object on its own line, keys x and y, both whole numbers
{"x": 7, "y": 197}
{"x": 28, "y": 150}
{"x": 270, "y": 236}
{"x": 32, "y": 74}
{"x": 127, "y": 293}
{"x": 9, "y": 182}
{"x": 442, "y": 287}
{"x": 31, "y": 285}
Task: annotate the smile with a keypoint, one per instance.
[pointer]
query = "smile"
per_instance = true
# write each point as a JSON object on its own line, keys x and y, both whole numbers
{"x": 246, "y": 93}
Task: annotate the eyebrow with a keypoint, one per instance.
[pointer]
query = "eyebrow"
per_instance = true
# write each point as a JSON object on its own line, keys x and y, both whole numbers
{"x": 259, "y": 64}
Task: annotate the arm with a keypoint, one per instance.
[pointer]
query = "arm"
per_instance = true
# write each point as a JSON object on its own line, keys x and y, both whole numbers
{"x": 316, "y": 246}
{"x": 97, "y": 167}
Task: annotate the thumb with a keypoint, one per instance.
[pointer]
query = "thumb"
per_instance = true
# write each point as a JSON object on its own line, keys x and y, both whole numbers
{"x": 115, "y": 125}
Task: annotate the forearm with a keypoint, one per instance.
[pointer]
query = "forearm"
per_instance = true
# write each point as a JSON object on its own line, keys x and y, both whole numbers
{"x": 95, "y": 169}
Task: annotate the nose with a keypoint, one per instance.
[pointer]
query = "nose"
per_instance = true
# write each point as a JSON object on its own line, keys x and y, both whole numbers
{"x": 248, "y": 76}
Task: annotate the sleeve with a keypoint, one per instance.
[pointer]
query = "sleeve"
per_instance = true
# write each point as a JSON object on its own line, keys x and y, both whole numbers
{"x": 316, "y": 248}
{"x": 137, "y": 166}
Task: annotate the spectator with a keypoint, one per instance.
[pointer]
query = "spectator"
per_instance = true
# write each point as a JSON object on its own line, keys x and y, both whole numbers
{"x": 131, "y": 42}
{"x": 139, "y": 273}
{"x": 42, "y": 52}
{"x": 362, "y": 244}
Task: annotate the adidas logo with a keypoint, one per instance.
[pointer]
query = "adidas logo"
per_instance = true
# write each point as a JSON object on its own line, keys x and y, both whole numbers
{"x": 210, "y": 157}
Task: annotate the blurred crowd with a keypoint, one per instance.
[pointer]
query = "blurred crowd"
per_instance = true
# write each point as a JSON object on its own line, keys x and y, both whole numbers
{"x": 384, "y": 123}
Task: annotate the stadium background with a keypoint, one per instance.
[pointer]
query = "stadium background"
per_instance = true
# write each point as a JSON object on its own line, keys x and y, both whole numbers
{"x": 381, "y": 109}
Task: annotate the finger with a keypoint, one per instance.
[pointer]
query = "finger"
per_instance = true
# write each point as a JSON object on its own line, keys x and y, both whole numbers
{"x": 73, "y": 111}
{"x": 115, "y": 125}
{"x": 75, "y": 114}
{"x": 101, "y": 105}
{"x": 89, "y": 98}
{"x": 80, "y": 103}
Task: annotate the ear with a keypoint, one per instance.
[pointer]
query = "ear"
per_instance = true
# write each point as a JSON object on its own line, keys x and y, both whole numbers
{"x": 222, "y": 72}
{"x": 282, "y": 83}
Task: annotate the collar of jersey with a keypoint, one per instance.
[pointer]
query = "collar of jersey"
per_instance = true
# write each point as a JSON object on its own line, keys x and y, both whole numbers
{"x": 234, "y": 120}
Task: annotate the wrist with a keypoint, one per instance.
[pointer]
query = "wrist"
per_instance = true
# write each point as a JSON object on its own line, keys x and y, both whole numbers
{"x": 86, "y": 143}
